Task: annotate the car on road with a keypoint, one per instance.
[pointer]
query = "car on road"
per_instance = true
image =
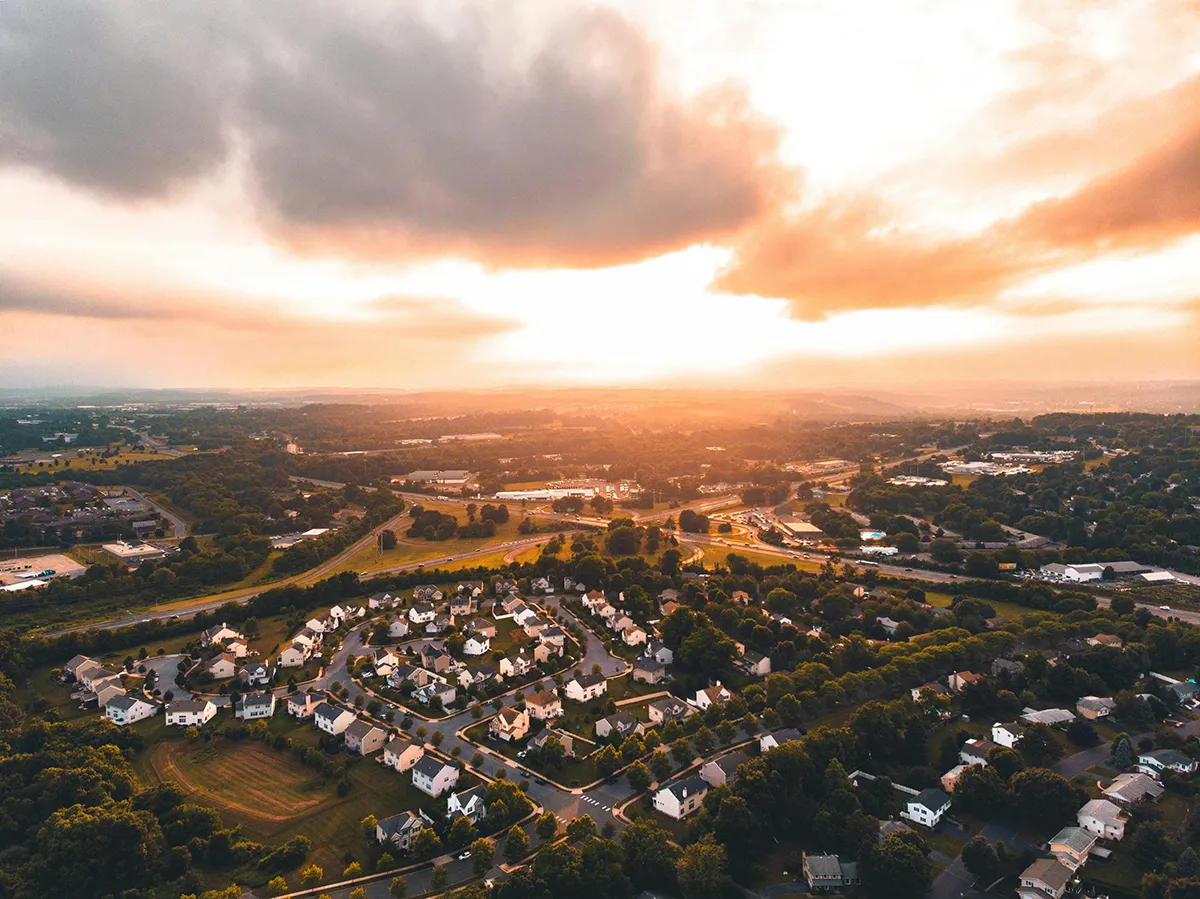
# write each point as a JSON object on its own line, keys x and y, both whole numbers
{"x": 1165, "y": 608}
{"x": 463, "y": 856}
{"x": 908, "y": 569}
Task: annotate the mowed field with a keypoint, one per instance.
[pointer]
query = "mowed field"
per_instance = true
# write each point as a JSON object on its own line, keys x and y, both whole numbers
{"x": 249, "y": 782}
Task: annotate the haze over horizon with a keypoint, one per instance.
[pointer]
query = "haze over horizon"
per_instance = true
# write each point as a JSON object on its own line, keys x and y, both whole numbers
{"x": 469, "y": 195}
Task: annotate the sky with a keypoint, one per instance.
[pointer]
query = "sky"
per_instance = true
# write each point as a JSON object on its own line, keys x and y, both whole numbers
{"x": 463, "y": 194}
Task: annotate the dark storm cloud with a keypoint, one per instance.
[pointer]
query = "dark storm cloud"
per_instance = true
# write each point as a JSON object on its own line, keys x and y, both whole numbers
{"x": 375, "y": 130}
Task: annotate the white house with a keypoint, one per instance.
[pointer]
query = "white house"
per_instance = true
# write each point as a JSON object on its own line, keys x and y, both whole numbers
{"x": 331, "y": 719}
{"x": 128, "y": 708}
{"x": 476, "y": 645}
{"x": 402, "y": 754}
{"x": 889, "y": 626}
{"x": 397, "y": 628}
{"x": 1103, "y": 818}
{"x": 585, "y": 687}
{"x": 544, "y": 705}
{"x": 422, "y": 613}
{"x": 190, "y": 712}
{"x": 777, "y": 738}
{"x": 927, "y": 807}
{"x": 221, "y": 633}
{"x": 1007, "y": 735}
{"x": 723, "y": 770}
{"x": 633, "y": 636}
{"x": 712, "y": 696}
{"x": 433, "y": 776}
{"x": 222, "y": 667}
{"x": 382, "y": 600}
{"x": 256, "y": 674}
{"x": 1154, "y": 763}
{"x": 975, "y": 752}
{"x": 678, "y": 800}
{"x": 469, "y": 803}
{"x": 254, "y": 706}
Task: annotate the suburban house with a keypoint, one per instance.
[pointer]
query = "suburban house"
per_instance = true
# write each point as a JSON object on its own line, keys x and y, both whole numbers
{"x": 937, "y": 689}
{"x": 363, "y": 737}
{"x": 567, "y": 741}
{"x": 92, "y": 677}
{"x": 826, "y": 872}
{"x": 1093, "y": 707}
{"x": 620, "y": 725}
{"x": 754, "y": 664}
{"x": 1007, "y": 735}
{"x": 427, "y": 593}
{"x": 712, "y": 695}
{"x": 959, "y": 680}
{"x": 476, "y": 645}
{"x": 1046, "y": 877}
{"x": 1106, "y": 640}
{"x": 657, "y": 650}
{"x": 469, "y": 804}
{"x": 777, "y": 738}
{"x": 1130, "y": 789}
{"x": 723, "y": 770}
{"x": 462, "y": 605}
{"x": 237, "y": 649}
{"x": 544, "y": 705}
{"x": 251, "y": 706}
{"x": 1006, "y": 666}
{"x": 678, "y": 800}
{"x": 927, "y": 807}
{"x": 422, "y": 613}
{"x": 633, "y": 636}
{"x": 1154, "y": 763}
{"x": 397, "y": 628}
{"x": 1103, "y": 818}
{"x": 128, "y": 708}
{"x": 975, "y": 752}
{"x": 670, "y": 709}
{"x": 302, "y": 705}
{"x": 443, "y": 693}
{"x": 221, "y": 633}
{"x": 331, "y": 719}
{"x": 382, "y": 600}
{"x": 541, "y": 585}
{"x": 544, "y": 651}
{"x": 433, "y": 776}
{"x": 950, "y": 778}
{"x": 402, "y": 754}
{"x": 649, "y": 671}
{"x": 107, "y": 692}
{"x": 73, "y": 667}
{"x": 888, "y": 625}
{"x": 435, "y": 660}
{"x": 190, "y": 712}
{"x": 620, "y": 622}
{"x": 403, "y": 674}
{"x": 222, "y": 667}
{"x": 522, "y": 614}
{"x": 585, "y": 687}
{"x": 502, "y": 586}
{"x": 480, "y": 627}
{"x": 256, "y": 674}
{"x": 440, "y": 623}
{"x": 593, "y": 600}
{"x": 554, "y": 635}
{"x": 399, "y": 830}
{"x": 293, "y": 656}
{"x": 1072, "y": 845}
{"x": 1185, "y": 691}
{"x": 515, "y": 665}
{"x": 510, "y": 724}
{"x": 1051, "y": 717}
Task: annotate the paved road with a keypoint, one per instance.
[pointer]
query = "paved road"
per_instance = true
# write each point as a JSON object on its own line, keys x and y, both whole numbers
{"x": 178, "y": 525}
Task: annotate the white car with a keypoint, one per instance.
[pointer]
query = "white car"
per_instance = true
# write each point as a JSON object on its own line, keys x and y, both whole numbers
{"x": 463, "y": 856}
{"x": 1165, "y": 608}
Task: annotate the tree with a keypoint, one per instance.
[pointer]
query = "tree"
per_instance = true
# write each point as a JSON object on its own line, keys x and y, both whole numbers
{"x": 398, "y": 888}
{"x": 1038, "y": 746}
{"x": 639, "y": 777}
{"x": 1081, "y": 733}
{"x": 980, "y": 791}
{"x": 311, "y": 876}
{"x": 483, "y": 854}
{"x": 368, "y": 825}
{"x": 650, "y": 856}
{"x": 462, "y": 831}
{"x": 277, "y": 886}
{"x": 1150, "y": 846}
{"x": 553, "y": 754}
{"x": 1005, "y": 762}
{"x": 704, "y": 741}
{"x": 1043, "y": 796}
{"x": 660, "y": 764}
{"x": 579, "y": 829}
{"x": 354, "y": 869}
{"x": 439, "y": 877}
{"x": 681, "y": 751}
{"x": 426, "y": 844}
{"x": 702, "y": 869}
{"x": 546, "y": 825}
{"x": 898, "y": 868}
{"x": 1123, "y": 752}
{"x": 607, "y": 761}
{"x": 516, "y": 845}
{"x": 358, "y": 893}
{"x": 980, "y": 859}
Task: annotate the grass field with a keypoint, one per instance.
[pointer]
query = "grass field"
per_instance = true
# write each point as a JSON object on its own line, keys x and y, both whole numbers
{"x": 89, "y": 460}
{"x": 716, "y": 555}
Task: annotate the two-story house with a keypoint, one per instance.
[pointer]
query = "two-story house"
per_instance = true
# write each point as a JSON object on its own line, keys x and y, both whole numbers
{"x": 128, "y": 708}
{"x": 927, "y": 807}
{"x": 679, "y": 799}
{"x": 433, "y": 776}
{"x": 254, "y": 706}
{"x": 586, "y": 687}
{"x": 510, "y": 724}
{"x": 190, "y": 712}
{"x": 332, "y": 719}
{"x": 363, "y": 737}
{"x": 402, "y": 754}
